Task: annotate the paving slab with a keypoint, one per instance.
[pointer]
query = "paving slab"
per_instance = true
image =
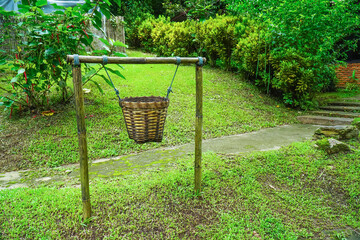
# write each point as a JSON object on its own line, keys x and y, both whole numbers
{"x": 341, "y": 108}
{"x": 323, "y": 120}
{"x": 336, "y": 114}
{"x": 345, "y": 103}
{"x": 262, "y": 140}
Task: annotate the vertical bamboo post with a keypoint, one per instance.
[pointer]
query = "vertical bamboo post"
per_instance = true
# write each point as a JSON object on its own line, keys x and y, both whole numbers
{"x": 80, "y": 117}
{"x": 198, "y": 125}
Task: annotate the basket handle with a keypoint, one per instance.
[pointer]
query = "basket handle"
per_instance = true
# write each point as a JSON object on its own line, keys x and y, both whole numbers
{"x": 178, "y": 61}
{"x": 105, "y": 61}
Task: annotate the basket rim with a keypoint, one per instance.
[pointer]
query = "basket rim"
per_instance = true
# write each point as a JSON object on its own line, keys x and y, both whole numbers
{"x": 144, "y": 102}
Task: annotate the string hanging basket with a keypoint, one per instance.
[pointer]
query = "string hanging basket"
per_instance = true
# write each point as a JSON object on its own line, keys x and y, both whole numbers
{"x": 145, "y": 117}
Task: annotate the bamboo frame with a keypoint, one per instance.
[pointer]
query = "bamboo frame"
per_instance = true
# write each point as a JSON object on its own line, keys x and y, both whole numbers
{"x": 83, "y": 150}
{"x": 134, "y": 60}
{"x": 80, "y": 113}
{"x": 198, "y": 127}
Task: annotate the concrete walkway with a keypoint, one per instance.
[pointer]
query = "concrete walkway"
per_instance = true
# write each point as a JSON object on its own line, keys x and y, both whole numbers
{"x": 265, "y": 139}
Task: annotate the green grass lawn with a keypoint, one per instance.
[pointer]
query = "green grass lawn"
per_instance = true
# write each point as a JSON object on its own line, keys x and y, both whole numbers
{"x": 231, "y": 106}
{"x": 296, "y": 192}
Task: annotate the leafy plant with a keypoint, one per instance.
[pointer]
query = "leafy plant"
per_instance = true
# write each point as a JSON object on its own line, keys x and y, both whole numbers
{"x": 195, "y": 9}
{"x": 217, "y": 36}
{"x": 167, "y": 38}
{"x": 134, "y": 13}
{"x": 38, "y": 65}
{"x": 299, "y": 45}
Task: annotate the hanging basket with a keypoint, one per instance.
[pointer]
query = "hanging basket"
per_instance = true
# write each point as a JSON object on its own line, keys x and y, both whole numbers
{"x": 145, "y": 117}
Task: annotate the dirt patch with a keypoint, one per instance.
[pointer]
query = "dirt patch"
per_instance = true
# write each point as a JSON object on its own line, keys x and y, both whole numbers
{"x": 11, "y": 149}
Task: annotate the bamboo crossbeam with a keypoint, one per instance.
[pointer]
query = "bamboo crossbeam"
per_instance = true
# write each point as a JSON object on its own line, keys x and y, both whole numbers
{"x": 134, "y": 60}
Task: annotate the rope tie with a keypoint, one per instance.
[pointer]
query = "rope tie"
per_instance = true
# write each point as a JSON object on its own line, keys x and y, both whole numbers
{"x": 76, "y": 60}
{"x": 200, "y": 62}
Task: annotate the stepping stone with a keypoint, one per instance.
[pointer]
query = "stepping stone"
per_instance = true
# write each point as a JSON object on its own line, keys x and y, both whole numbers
{"x": 326, "y": 121}
{"x": 336, "y": 114}
{"x": 354, "y": 104}
{"x": 341, "y": 108}
{"x": 339, "y": 132}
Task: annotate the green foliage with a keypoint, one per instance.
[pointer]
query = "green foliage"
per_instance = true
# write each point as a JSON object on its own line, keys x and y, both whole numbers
{"x": 145, "y": 31}
{"x": 174, "y": 39}
{"x": 287, "y": 48}
{"x": 353, "y": 84}
{"x": 38, "y": 65}
{"x": 167, "y": 38}
{"x": 217, "y": 37}
{"x": 213, "y": 38}
{"x": 249, "y": 53}
{"x": 296, "y": 192}
{"x": 194, "y": 9}
{"x": 323, "y": 144}
{"x": 134, "y": 13}
{"x": 56, "y": 144}
{"x": 298, "y": 44}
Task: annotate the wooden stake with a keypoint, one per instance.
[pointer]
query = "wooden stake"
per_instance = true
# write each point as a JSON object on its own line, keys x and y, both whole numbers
{"x": 198, "y": 127}
{"x": 80, "y": 117}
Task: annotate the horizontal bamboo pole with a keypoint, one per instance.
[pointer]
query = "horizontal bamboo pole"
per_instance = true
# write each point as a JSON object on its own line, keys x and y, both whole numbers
{"x": 134, "y": 60}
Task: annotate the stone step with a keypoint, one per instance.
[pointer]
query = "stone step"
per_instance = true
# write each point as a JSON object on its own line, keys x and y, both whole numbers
{"x": 343, "y": 103}
{"x": 341, "y": 108}
{"x": 351, "y": 99}
{"x": 325, "y": 121}
{"x": 336, "y": 114}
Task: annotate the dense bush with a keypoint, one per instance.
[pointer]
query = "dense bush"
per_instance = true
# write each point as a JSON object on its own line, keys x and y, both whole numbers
{"x": 167, "y": 38}
{"x": 286, "y": 47}
{"x": 217, "y": 36}
{"x": 174, "y": 39}
{"x": 194, "y": 9}
{"x": 213, "y": 38}
{"x": 144, "y": 36}
{"x": 134, "y": 13}
{"x": 295, "y": 75}
{"x": 298, "y": 44}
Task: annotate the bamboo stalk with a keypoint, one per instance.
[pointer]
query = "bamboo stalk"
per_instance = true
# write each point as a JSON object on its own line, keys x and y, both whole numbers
{"x": 80, "y": 116}
{"x": 133, "y": 60}
{"x": 198, "y": 128}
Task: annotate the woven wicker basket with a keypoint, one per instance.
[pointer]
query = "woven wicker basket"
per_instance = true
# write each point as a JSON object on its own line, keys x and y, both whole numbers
{"x": 145, "y": 117}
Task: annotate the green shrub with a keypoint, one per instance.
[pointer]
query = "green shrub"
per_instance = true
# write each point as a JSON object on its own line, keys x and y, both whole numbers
{"x": 294, "y": 50}
{"x": 133, "y": 32}
{"x": 159, "y": 37}
{"x": 249, "y": 52}
{"x": 295, "y": 75}
{"x": 145, "y": 32}
{"x": 167, "y": 38}
{"x": 180, "y": 38}
{"x": 217, "y": 36}
{"x": 286, "y": 62}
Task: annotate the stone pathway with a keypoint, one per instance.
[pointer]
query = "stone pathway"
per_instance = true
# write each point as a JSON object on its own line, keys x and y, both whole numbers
{"x": 341, "y": 112}
{"x": 265, "y": 139}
